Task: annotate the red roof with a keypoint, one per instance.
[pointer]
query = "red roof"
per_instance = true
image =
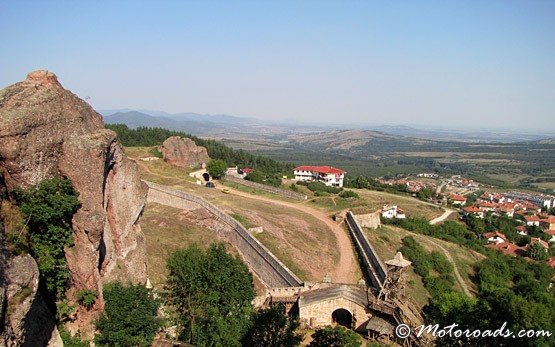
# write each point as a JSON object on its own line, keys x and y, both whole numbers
{"x": 471, "y": 209}
{"x": 549, "y": 232}
{"x": 540, "y": 241}
{"x": 320, "y": 169}
{"x": 456, "y": 197}
{"x": 532, "y": 218}
{"x": 550, "y": 219}
{"x": 495, "y": 234}
{"x": 521, "y": 228}
{"x": 508, "y": 248}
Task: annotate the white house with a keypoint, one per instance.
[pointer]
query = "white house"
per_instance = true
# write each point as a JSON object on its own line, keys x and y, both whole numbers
{"x": 496, "y": 237}
{"x": 328, "y": 175}
{"x": 392, "y": 212}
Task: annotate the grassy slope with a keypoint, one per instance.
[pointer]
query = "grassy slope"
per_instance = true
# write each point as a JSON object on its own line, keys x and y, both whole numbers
{"x": 387, "y": 240}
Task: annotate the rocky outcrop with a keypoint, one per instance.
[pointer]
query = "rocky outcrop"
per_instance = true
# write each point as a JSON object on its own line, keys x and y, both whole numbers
{"x": 183, "y": 152}
{"x": 46, "y": 131}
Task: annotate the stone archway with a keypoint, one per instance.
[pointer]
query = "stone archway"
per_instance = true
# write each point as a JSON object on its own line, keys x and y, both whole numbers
{"x": 342, "y": 317}
{"x": 206, "y": 176}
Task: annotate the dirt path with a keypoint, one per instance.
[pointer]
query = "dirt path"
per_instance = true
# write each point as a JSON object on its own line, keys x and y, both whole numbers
{"x": 443, "y": 217}
{"x": 449, "y": 258}
{"x": 346, "y": 269}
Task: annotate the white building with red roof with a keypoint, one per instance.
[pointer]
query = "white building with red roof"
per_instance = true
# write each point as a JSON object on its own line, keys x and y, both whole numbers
{"x": 328, "y": 175}
{"x": 457, "y": 199}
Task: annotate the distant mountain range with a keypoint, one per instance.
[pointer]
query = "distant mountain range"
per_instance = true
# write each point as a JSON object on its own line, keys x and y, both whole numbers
{"x": 225, "y": 126}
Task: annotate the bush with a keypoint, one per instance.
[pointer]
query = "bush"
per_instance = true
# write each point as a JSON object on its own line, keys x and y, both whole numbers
{"x": 216, "y": 168}
{"x": 129, "y": 318}
{"x": 337, "y": 336}
{"x": 321, "y": 187}
{"x": 346, "y": 194}
{"x": 86, "y": 297}
{"x": 155, "y": 152}
{"x": 49, "y": 207}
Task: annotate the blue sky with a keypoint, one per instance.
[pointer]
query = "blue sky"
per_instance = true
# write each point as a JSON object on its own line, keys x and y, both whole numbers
{"x": 452, "y": 64}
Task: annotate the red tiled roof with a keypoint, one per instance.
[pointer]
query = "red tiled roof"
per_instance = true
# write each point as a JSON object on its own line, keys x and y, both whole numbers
{"x": 471, "y": 209}
{"x": 508, "y": 248}
{"x": 521, "y": 228}
{"x": 495, "y": 234}
{"x": 487, "y": 204}
{"x": 321, "y": 169}
{"x": 540, "y": 241}
{"x": 550, "y": 219}
{"x": 456, "y": 197}
{"x": 532, "y": 218}
{"x": 549, "y": 232}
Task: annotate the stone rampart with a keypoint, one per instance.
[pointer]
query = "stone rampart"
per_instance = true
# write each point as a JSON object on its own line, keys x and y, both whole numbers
{"x": 274, "y": 190}
{"x": 259, "y": 259}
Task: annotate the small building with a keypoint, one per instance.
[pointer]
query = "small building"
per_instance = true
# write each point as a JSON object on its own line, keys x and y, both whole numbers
{"x": 521, "y": 230}
{"x": 548, "y": 223}
{"x": 473, "y": 211}
{"x": 508, "y": 248}
{"x": 392, "y": 211}
{"x": 496, "y": 237}
{"x": 544, "y": 244}
{"x": 456, "y": 199}
{"x": 328, "y": 175}
{"x": 532, "y": 220}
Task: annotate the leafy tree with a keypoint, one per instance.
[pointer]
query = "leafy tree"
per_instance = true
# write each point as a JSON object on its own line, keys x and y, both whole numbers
{"x": 49, "y": 207}
{"x": 216, "y": 168}
{"x": 335, "y": 337}
{"x": 129, "y": 318}
{"x": 537, "y": 252}
{"x": 211, "y": 292}
{"x": 272, "y": 328}
{"x": 86, "y": 297}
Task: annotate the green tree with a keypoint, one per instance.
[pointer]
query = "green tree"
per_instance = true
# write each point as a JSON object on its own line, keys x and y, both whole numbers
{"x": 49, "y": 208}
{"x": 211, "y": 292}
{"x": 216, "y": 168}
{"x": 272, "y": 328}
{"x": 335, "y": 337}
{"x": 537, "y": 252}
{"x": 129, "y": 318}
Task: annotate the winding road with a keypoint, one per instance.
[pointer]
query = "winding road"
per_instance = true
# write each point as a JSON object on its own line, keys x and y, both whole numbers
{"x": 347, "y": 268}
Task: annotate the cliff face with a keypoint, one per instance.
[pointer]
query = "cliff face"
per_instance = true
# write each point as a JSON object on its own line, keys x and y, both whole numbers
{"x": 183, "y": 152}
{"x": 46, "y": 131}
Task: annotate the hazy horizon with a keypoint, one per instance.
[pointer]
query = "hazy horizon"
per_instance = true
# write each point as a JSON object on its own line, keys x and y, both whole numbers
{"x": 473, "y": 65}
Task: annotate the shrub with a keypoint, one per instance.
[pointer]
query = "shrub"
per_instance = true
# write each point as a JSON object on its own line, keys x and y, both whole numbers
{"x": 86, "y": 297}
{"x": 129, "y": 317}
{"x": 346, "y": 194}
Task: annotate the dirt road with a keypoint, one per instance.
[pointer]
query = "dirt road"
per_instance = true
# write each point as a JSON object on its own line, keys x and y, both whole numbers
{"x": 347, "y": 268}
{"x": 443, "y": 217}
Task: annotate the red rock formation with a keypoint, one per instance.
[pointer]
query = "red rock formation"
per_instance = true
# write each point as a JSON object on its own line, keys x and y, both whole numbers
{"x": 183, "y": 152}
{"x": 46, "y": 131}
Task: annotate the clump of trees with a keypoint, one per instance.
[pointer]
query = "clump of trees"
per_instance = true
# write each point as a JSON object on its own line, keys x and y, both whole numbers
{"x": 216, "y": 168}
{"x": 436, "y": 271}
{"x": 264, "y": 178}
{"x": 147, "y": 136}
{"x": 211, "y": 293}
{"x": 129, "y": 318}
{"x": 511, "y": 291}
{"x": 272, "y": 328}
{"x": 336, "y": 336}
{"x": 48, "y": 209}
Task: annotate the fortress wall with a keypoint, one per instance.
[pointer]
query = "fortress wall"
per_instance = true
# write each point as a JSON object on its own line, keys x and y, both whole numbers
{"x": 259, "y": 259}
{"x": 376, "y": 271}
{"x": 274, "y": 190}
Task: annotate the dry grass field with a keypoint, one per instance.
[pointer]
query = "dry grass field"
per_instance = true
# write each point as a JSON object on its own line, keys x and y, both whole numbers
{"x": 165, "y": 233}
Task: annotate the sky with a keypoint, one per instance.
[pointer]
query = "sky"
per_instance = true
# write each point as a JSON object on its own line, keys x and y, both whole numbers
{"x": 447, "y": 64}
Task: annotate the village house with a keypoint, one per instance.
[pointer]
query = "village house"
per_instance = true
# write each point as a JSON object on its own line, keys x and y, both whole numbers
{"x": 508, "y": 248}
{"x": 456, "y": 199}
{"x": 473, "y": 210}
{"x": 532, "y": 220}
{"x": 328, "y": 175}
{"x": 544, "y": 244}
{"x": 392, "y": 211}
{"x": 548, "y": 223}
{"x": 495, "y": 237}
{"x": 521, "y": 230}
